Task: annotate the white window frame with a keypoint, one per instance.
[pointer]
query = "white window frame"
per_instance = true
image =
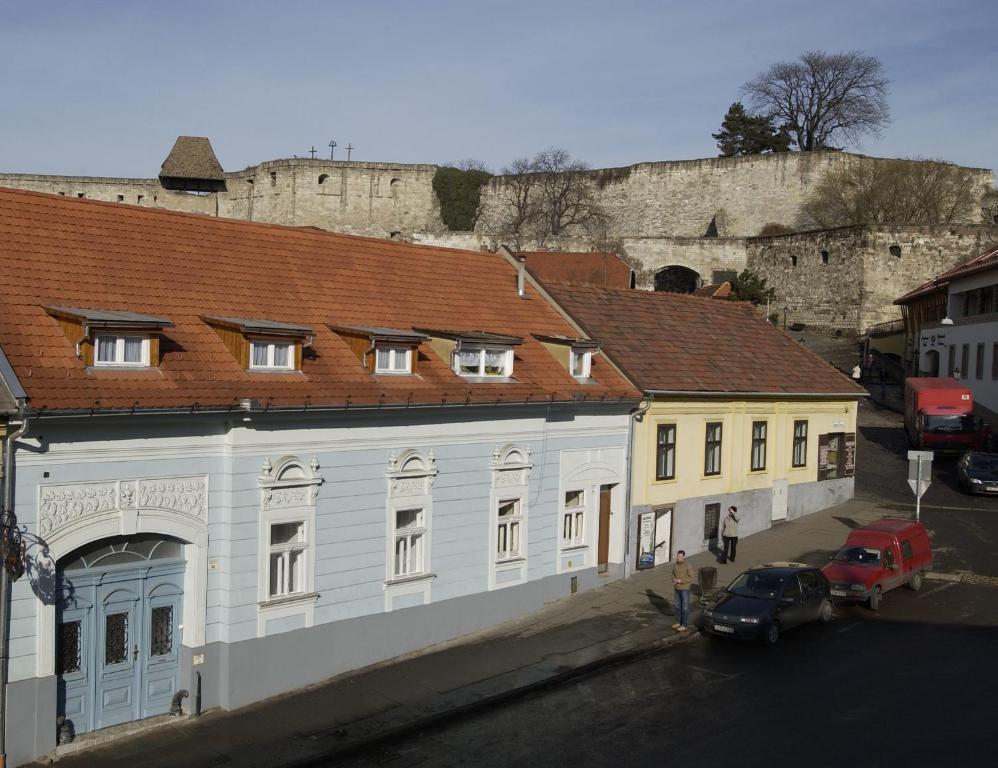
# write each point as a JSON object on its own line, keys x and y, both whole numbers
{"x": 394, "y": 353}
{"x": 573, "y": 520}
{"x": 271, "y": 346}
{"x": 510, "y": 484}
{"x": 410, "y": 476}
{"x": 412, "y": 540}
{"x": 509, "y": 529}
{"x": 288, "y": 494}
{"x": 119, "y": 350}
{"x": 586, "y": 359}
{"x": 482, "y": 350}
{"x": 289, "y": 576}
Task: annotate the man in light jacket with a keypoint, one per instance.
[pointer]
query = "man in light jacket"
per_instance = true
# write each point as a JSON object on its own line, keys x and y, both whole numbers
{"x": 682, "y": 579}
{"x": 729, "y": 534}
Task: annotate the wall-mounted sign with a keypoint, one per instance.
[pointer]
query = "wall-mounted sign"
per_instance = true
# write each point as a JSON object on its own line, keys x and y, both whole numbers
{"x": 836, "y": 455}
{"x": 646, "y": 540}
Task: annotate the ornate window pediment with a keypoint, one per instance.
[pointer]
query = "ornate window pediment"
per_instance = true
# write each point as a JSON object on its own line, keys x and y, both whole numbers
{"x": 291, "y": 484}
{"x": 411, "y": 473}
{"x": 511, "y": 465}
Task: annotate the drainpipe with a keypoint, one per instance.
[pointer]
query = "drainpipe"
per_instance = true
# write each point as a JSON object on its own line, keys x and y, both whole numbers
{"x": 8, "y": 506}
{"x": 636, "y": 415}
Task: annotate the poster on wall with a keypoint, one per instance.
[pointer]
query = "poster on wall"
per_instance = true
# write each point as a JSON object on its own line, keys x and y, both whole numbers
{"x": 849, "y": 462}
{"x": 646, "y": 540}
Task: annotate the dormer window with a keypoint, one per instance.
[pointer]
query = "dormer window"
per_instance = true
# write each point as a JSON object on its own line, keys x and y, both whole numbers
{"x": 382, "y": 351}
{"x": 476, "y": 354}
{"x": 112, "y": 338}
{"x": 122, "y": 350}
{"x": 392, "y": 359}
{"x": 581, "y": 362}
{"x": 262, "y": 345}
{"x": 485, "y": 361}
{"x": 273, "y": 355}
{"x": 576, "y": 355}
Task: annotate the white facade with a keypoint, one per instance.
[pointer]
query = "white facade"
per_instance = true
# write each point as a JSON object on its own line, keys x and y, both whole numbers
{"x": 967, "y": 349}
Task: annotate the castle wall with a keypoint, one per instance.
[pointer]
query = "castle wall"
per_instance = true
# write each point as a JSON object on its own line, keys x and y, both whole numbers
{"x": 376, "y": 199}
{"x": 738, "y": 194}
{"x": 144, "y": 192}
{"x": 705, "y": 255}
{"x": 848, "y": 278}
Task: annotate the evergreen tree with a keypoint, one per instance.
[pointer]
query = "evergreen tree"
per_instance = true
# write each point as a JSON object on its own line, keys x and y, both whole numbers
{"x": 749, "y": 286}
{"x": 745, "y": 134}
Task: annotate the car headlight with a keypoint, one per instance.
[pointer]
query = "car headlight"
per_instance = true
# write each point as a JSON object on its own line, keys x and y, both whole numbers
{"x": 857, "y": 587}
{"x": 749, "y": 619}
{"x": 975, "y": 481}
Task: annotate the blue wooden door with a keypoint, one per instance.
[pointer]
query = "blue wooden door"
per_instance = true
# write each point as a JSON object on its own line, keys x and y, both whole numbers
{"x": 118, "y": 631}
{"x": 118, "y": 634}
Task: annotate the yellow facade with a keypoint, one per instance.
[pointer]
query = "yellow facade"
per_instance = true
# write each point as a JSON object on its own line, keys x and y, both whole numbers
{"x": 691, "y": 417}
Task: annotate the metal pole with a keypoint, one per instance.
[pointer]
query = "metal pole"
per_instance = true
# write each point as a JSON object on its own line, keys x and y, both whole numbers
{"x": 918, "y": 490}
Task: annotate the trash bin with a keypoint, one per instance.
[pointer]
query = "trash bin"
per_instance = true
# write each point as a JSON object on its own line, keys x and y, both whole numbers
{"x": 707, "y": 578}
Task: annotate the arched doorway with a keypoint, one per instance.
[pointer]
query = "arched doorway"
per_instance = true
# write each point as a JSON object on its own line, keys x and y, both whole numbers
{"x": 677, "y": 279}
{"x": 119, "y": 607}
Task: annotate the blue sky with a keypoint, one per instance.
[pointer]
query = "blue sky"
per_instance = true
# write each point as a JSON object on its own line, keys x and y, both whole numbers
{"x": 103, "y": 88}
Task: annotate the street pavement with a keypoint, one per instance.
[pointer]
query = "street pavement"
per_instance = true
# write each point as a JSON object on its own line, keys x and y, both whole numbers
{"x": 600, "y": 676}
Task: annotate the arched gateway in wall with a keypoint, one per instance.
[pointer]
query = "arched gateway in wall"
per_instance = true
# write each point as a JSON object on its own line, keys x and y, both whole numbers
{"x": 677, "y": 279}
{"x": 128, "y": 565}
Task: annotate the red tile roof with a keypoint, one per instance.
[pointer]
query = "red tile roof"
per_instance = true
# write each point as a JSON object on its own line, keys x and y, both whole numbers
{"x": 57, "y": 251}
{"x": 979, "y": 263}
{"x": 674, "y": 342}
{"x": 714, "y": 290}
{"x": 605, "y": 270}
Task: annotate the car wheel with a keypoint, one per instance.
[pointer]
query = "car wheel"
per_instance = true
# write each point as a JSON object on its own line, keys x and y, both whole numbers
{"x": 874, "y": 601}
{"x": 916, "y": 582}
{"x": 771, "y": 634}
{"x": 826, "y": 612}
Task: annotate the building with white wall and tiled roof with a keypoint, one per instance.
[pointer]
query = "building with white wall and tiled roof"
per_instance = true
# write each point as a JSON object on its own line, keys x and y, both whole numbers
{"x": 247, "y": 457}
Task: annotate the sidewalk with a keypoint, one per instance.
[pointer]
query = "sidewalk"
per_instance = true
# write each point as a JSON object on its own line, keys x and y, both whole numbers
{"x": 568, "y": 638}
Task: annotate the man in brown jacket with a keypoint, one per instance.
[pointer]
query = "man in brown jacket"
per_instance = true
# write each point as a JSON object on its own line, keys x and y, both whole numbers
{"x": 682, "y": 578}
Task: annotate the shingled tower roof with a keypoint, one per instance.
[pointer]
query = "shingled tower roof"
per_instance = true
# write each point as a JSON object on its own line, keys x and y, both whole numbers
{"x": 192, "y": 164}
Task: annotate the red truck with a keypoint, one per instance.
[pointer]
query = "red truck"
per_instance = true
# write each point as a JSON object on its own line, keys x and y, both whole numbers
{"x": 939, "y": 415}
{"x": 879, "y": 557}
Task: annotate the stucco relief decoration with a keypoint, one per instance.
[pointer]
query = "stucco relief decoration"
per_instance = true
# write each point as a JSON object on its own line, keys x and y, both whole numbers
{"x": 291, "y": 484}
{"x": 510, "y": 464}
{"x": 411, "y": 473}
{"x": 188, "y": 495}
{"x": 62, "y": 505}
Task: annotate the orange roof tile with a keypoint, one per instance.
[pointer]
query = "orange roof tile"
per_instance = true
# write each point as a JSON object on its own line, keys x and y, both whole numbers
{"x": 674, "y": 342}
{"x": 57, "y": 251}
{"x": 606, "y": 270}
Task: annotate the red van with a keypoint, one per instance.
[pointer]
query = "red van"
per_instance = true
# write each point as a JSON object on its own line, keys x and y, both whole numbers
{"x": 879, "y": 557}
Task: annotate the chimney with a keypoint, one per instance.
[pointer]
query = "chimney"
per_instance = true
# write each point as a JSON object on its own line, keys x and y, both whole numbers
{"x": 521, "y": 278}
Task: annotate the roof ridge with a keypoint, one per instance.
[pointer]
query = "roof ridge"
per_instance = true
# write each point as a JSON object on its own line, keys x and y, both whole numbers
{"x": 223, "y": 221}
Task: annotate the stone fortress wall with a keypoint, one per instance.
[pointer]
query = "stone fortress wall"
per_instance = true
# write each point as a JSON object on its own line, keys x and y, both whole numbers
{"x": 700, "y": 215}
{"x": 376, "y": 199}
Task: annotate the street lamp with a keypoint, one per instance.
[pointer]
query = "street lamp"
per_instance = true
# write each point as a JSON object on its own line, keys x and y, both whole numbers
{"x": 786, "y": 311}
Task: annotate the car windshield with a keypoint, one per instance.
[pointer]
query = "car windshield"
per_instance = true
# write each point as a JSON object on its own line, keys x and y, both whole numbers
{"x": 757, "y": 584}
{"x": 949, "y": 423}
{"x": 983, "y": 461}
{"x": 859, "y": 556}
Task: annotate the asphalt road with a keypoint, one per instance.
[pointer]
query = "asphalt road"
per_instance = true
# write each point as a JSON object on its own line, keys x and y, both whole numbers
{"x": 914, "y": 684}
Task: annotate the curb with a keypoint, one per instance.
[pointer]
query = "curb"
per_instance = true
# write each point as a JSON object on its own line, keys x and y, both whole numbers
{"x": 466, "y": 710}
{"x": 936, "y": 576}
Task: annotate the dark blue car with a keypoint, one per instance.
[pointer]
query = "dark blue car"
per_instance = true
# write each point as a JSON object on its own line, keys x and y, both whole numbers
{"x": 767, "y": 600}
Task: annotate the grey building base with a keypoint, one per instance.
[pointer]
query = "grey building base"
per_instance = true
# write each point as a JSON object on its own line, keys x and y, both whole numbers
{"x": 755, "y": 512}
{"x": 236, "y": 674}
{"x": 31, "y": 725}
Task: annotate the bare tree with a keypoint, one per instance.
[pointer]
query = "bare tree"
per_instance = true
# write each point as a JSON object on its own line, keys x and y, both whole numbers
{"x": 823, "y": 99}
{"x": 895, "y": 192}
{"x": 547, "y": 196}
{"x": 469, "y": 164}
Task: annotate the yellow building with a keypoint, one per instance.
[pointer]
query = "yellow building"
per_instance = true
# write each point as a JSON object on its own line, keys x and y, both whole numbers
{"x": 736, "y": 413}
